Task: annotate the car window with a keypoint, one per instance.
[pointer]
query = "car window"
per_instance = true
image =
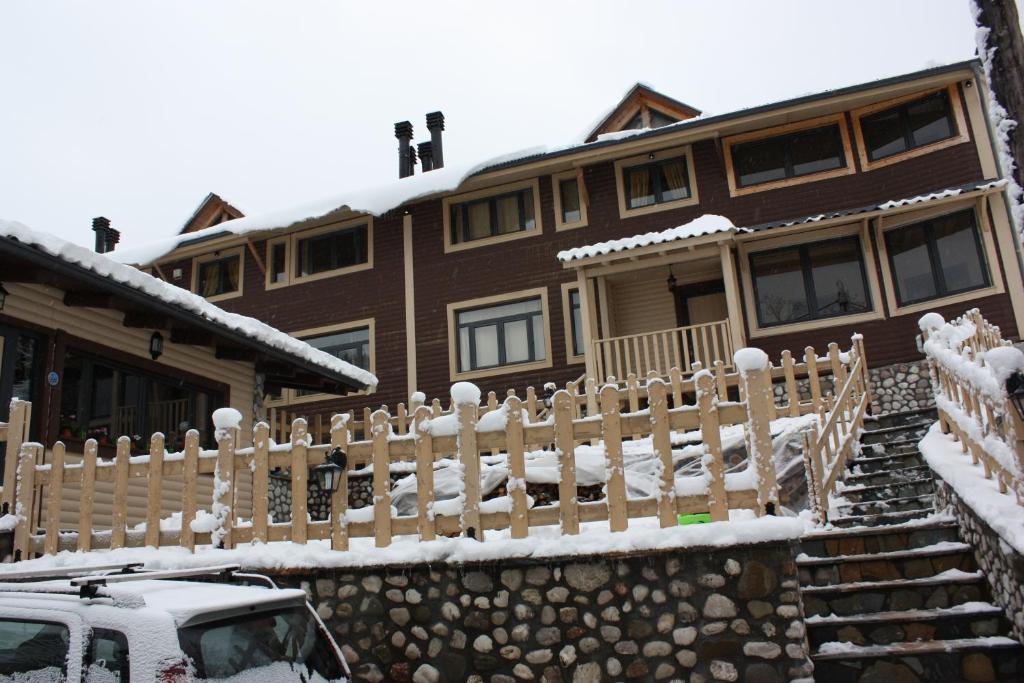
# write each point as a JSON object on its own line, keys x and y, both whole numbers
{"x": 39, "y": 648}
{"x": 108, "y": 657}
{"x": 289, "y": 637}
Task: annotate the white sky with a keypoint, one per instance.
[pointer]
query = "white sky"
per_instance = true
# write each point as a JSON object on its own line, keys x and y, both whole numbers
{"x": 136, "y": 109}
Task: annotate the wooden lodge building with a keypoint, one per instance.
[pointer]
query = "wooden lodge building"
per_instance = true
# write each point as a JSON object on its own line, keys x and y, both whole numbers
{"x": 665, "y": 238}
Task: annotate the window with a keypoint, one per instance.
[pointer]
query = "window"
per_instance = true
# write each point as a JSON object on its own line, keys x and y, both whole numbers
{"x": 352, "y": 346}
{"x": 576, "y": 322}
{"x": 277, "y": 263}
{"x": 329, "y": 251}
{"x": 505, "y": 334}
{"x": 103, "y": 400}
{"x": 569, "y": 196}
{"x": 493, "y": 216}
{"x": 658, "y": 182}
{"x": 219, "y": 275}
{"x": 809, "y": 282}
{"x": 108, "y": 657}
{"x": 38, "y": 648}
{"x": 899, "y": 129}
{"x": 936, "y": 258}
{"x": 802, "y": 153}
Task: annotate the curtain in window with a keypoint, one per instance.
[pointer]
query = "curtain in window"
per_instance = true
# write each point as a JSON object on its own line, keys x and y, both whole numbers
{"x": 508, "y": 214}
{"x": 640, "y": 188}
{"x": 479, "y": 220}
{"x": 232, "y": 268}
{"x": 209, "y": 276}
{"x": 675, "y": 177}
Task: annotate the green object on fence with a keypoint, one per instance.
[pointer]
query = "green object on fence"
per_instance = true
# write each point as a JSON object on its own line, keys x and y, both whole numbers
{"x": 698, "y": 518}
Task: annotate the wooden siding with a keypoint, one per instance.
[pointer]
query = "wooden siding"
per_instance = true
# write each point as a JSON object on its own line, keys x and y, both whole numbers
{"x": 640, "y": 302}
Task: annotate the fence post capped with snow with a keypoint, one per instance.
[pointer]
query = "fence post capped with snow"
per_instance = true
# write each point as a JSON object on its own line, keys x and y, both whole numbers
{"x": 755, "y": 374}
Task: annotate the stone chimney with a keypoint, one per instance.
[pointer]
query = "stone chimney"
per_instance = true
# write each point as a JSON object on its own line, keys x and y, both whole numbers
{"x": 106, "y": 236}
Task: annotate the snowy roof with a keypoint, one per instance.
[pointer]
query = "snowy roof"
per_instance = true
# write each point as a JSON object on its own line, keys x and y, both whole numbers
{"x": 376, "y": 200}
{"x": 196, "y": 309}
{"x": 708, "y": 224}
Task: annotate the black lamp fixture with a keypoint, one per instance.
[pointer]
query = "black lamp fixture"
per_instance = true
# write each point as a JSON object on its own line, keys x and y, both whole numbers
{"x": 1015, "y": 390}
{"x": 328, "y": 475}
{"x": 156, "y": 345}
{"x": 3, "y": 296}
{"x": 671, "y": 280}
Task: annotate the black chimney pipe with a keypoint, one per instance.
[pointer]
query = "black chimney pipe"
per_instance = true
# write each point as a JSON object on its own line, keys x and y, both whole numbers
{"x": 426, "y": 155}
{"x": 403, "y": 131}
{"x": 106, "y": 236}
{"x": 435, "y": 124}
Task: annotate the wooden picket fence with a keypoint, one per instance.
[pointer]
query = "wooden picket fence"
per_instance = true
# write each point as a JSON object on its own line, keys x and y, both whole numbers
{"x": 971, "y": 402}
{"x": 829, "y": 444}
{"x": 612, "y": 420}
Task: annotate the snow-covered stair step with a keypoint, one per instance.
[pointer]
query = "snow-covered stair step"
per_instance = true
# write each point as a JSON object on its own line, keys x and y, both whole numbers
{"x": 874, "y": 463}
{"x": 856, "y": 541}
{"x": 916, "y": 563}
{"x": 995, "y": 658}
{"x": 886, "y": 435}
{"x": 902, "y": 489}
{"x": 883, "y": 519}
{"x": 900, "y": 417}
{"x": 970, "y": 620}
{"x": 896, "y": 446}
{"x": 894, "y": 476}
{"x": 952, "y": 587}
{"x": 924, "y": 501}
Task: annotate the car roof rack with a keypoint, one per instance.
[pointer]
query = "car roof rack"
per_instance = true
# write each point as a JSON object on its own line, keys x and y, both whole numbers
{"x": 64, "y": 572}
{"x": 89, "y": 584}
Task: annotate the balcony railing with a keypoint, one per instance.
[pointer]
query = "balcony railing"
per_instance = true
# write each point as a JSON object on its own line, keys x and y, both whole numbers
{"x": 659, "y": 351}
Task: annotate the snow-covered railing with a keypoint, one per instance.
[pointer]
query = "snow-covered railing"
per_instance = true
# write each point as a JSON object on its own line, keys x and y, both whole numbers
{"x": 681, "y": 347}
{"x": 970, "y": 363}
{"x": 828, "y": 445}
{"x": 14, "y": 432}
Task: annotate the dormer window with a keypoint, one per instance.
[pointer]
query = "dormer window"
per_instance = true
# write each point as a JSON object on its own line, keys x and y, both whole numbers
{"x": 218, "y": 275}
{"x": 656, "y": 181}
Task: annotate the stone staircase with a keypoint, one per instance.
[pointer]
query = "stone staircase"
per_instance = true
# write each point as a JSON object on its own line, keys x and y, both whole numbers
{"x": 890, "y": 593}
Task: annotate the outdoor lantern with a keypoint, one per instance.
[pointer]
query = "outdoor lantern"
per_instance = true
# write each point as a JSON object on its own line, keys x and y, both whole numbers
{"x": 1015, "y": 390}
{"x": 671, "y": 280}
{"x": 156, "y": 345}
{"x": 328, "y": 475}
{"x": 3, "y": 296}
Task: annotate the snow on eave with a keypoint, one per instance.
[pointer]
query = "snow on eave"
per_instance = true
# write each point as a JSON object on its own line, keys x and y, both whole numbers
{"x": 708, "y": 224}
{"x": 188, "y": 302}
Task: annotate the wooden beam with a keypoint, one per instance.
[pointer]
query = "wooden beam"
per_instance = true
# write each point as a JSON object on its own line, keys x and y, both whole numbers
{"x": 256, "y": 256}
{"x": 88, "y": 299}
{"x": 159, "y": 272}
{"x": 235, "y": 353}
{"x": 184, "y": 335}
{"x": 145, "y": 320}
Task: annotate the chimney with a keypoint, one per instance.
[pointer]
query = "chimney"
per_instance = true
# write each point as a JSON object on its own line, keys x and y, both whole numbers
{"x": 435, "y": 124}
{"x": 426, "y": 155}
{"x": 106, "y": 236}
{"x": 403, "y": 131}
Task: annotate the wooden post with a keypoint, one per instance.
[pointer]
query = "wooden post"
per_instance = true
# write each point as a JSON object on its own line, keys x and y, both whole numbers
{"x": 25, "y": 499}
{"x": 51, "y": 543}
{"x": 468, "y": 456}
{"x": 119, "y": 519}
{"x": 517, "y": 466}
{"x": 300, "y": 481}
{"x": 661, "y": 440}
{"x": 811, "y": 360}
{"x": 718, "y": 499}
{"x": 367, "y": 424}
{"x": 190, "y": 477}
{"x": 676, "y": 377}
{"x": 339, "y": 499}
{"x": 565, "y": 450}
{"x": 531, "y": 404}
{"x": 492, "y": 405}
{"x": 633, "y": 394}
{"x": 760, "y": 409}
{"x": 260, "y": 481}
{"x": 155, "y": 480}
{"x": 88, "y": 493}
{"x": 424, "y": 475}
{"x": 592, "y": 408}
{"x": 17, "y": 434}
{"x": 381, "y": 479}
{"x": 611, "y": 433}
{"x": 812, "y": 471}
{"x": 223, "y": 487}
{"x": 722, "y": 385}
{"x": 791, "y": 390}
{"x": 402, "y": 419}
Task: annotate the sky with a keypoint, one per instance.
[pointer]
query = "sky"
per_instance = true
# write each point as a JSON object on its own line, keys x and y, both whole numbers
{"x": 136, "y": 109}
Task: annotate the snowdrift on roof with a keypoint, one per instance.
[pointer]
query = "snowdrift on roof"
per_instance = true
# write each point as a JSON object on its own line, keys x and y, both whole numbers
{"x": 707, "y": 224}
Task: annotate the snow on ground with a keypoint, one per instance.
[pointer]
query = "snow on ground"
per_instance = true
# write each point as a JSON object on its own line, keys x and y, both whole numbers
{"x": 103, "y": 265}
{"x": 545, "y": 542}
{"x": 999, "y": 510}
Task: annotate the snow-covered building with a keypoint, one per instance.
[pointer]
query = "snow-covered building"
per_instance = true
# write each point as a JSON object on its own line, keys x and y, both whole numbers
{"x": 662, "y": 238}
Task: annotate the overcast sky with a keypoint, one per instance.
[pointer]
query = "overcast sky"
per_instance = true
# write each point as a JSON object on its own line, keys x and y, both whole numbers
{"x": 136, "y": 109}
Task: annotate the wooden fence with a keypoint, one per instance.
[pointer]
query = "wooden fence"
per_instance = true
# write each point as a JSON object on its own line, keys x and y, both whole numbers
{"x": 970, "y": 394}
{"x": 828, "y": 444}
{"x": 680, "y": 347}
{"x": 429, "y": 436}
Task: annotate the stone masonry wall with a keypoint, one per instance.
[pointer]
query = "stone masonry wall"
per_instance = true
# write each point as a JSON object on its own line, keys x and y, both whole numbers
{"x": 1003, "y": 567}
{"x": 688, "y": 615}
{"x": 894, "y": 388}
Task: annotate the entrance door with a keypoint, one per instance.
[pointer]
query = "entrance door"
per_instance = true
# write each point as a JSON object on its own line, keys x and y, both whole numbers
{"x": 20, "y": 354}
{"x": 698, "y": 303}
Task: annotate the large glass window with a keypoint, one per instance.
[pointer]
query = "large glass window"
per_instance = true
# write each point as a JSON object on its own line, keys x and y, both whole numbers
{"x": 569, "y": 196}
{"x": 809, "y": 282}
{"x": 788, "y": 156}
{"x": 936, "y": 258}
{"x": 908, "y": 126}
{"x": 219, "y": 276}
{"x": 352, "y": 346}
{"x": 334, "y": 250}
{"x": 103, "y": 400}
{"x": 500, "y": 335}
{"x": 37, "y": 649}
{"x": 656, "y": 182}
{"x": 501, "y": 214}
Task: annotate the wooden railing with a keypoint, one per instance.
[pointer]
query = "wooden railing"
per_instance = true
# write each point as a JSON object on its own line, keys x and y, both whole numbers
{"x": 970, "y": 362}
{"x": 681, "y": 347}
{"x": 14, "y": 433}
{"x": 828, "y": 445}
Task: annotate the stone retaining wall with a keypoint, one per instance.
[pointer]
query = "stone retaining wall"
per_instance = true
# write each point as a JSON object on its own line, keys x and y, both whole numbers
{"x": 696, "y": 615}
{"x": 894, "y": 388}
{"x": 1002, "y": 565}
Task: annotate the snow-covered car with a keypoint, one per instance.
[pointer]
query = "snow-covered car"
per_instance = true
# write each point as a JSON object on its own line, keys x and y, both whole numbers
{"x": 158, "y": 627}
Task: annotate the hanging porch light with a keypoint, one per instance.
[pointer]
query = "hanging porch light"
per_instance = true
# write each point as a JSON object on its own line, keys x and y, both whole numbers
{"x": 328, "y": 475}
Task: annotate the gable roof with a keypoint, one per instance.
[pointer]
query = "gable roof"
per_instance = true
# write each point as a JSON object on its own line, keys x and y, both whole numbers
{"x": 641, "y": 99}
{"x": 213, "y": 210}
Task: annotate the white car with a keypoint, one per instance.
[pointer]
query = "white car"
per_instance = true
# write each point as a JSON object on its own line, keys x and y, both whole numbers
{"x": 144, "y": 627}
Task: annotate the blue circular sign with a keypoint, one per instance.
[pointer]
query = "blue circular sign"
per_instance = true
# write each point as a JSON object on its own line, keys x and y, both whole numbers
{"x": 52, "y": 378}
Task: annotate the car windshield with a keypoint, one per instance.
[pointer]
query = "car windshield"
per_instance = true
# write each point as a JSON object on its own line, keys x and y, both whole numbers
{"x": 288, "y": 641}
{"x": 33, "y": 650}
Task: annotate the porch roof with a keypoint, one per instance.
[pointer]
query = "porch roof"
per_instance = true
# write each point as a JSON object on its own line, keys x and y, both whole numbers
{"x": 708, "y": 224}
{"x": 95, "y": 281}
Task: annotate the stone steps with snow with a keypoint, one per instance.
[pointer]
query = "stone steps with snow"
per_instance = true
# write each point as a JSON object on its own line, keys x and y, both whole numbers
{"x": 994, "y": 658}
{"x": 881, "y": 519}
{"x": 952, "y": 587}
{"x": 924, "y": 501}
{"x": 880, "y": 539}
{"x": 887, "y": 491}
{"x": 883, "y": 462}
{"x": 900, "y": 418}
{"x": 916, "y": 563}
{"x": 970, "y": 620}
{"x": 894, "y": 476}
{"x": 886, "y": 435}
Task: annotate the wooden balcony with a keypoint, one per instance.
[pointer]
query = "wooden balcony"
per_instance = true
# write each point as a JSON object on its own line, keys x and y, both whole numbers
{"x": 662, "y": 350}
